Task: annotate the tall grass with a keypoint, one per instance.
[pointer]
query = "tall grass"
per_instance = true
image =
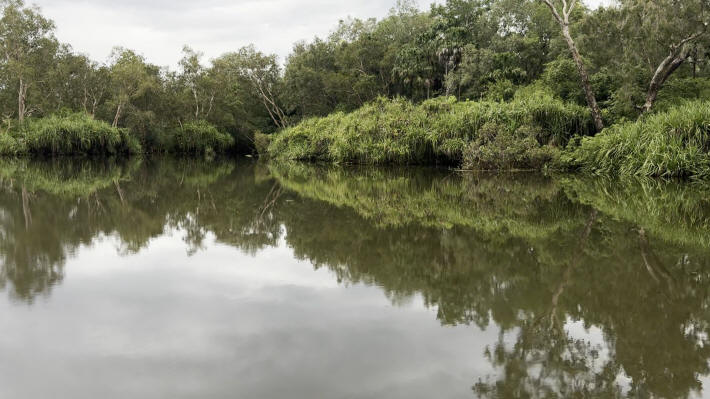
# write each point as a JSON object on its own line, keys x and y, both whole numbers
{"x": 200, "y": 137}
{"x": 443, "y": 129}
{"x": 74, "y": 134}
{"x": 10, "y": 145}
{"x": 675, "y": 143}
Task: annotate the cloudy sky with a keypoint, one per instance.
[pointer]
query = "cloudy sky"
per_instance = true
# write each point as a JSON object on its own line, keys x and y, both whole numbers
{"x": 159, "y": 28}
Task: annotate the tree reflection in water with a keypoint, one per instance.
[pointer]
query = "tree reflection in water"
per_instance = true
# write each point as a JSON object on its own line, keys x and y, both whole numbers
{"x": 538, "y": 258}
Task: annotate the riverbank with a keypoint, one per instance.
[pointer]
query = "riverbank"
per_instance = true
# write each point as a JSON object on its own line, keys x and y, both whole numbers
{"x": 526, "y": 133}
{"x": 81, "y": 134}
{"x": 534, "y": 132}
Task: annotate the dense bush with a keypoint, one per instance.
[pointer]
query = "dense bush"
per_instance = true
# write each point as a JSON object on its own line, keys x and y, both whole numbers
{"x": 442, "y": 129}
{"x": 71, "y": 134}
{"x": 496, "y": 148}
{"x": 9, "y": 145}
{"x": 675, "y": 143}
{"x": 677, "y": 90}
{"x": 262, "y": 142}
{"x": 200, "y": 137}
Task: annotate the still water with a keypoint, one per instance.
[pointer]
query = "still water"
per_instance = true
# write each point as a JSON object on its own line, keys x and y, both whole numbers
{"x": 170, "y": 278}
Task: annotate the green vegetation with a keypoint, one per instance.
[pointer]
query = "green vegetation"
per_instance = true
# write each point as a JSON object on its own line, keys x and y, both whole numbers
{"x": 675, "y": 212}
{"x": 200, "y": 138}
{"x": 669, "y": 144}
{"x": 443, "y": 129}
{"x": 72, "y": 134}
{"x": 481, "y": 84}
{"x": 404, "y": 198}
{"x": 76, "y": 134}
{"x": 78, "y": 178}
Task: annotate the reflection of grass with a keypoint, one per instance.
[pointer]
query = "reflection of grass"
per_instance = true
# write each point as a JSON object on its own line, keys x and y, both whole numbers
{"x": 392, "y": 199}
{"x": 193, "y": 172}
{"x": 69, "y": 178}
{"x": 676, "y": 212}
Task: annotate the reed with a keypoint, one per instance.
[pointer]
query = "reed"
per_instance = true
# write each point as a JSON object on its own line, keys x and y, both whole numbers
{"x": 675, "y": 143}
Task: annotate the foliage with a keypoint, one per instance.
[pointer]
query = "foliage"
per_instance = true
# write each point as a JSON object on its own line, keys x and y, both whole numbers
{"x": 261, "y": 143}
{"x": 9, "y": 145}
{"x": 397, "y": 131}
{"x": 496, "y": 148}
{"x": 675, "y": 143}
{"x": 76, "y": 134}
{"x": 488, "y": 51}
{"x": 27, "y": 47}
{"x": 200, "y": 137}
{"x": 676, "y": 212}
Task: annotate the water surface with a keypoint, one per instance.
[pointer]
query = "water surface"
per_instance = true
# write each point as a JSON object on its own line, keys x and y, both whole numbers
{"x": 170, "y": 278}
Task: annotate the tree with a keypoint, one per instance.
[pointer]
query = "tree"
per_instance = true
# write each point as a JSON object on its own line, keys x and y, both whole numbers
{"x": 262, "y": 73}
{"x": 665, "y": 30}
{"x": 76, "y": 83}
{"x": 563, "y": 18}
{"x": 27, "y": 48}
{"x": 196, "y": 80}
{"x": 130, "y": 79}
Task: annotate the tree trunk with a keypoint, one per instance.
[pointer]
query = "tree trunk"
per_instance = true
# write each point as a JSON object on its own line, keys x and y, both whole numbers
{"x": 669, "y": 65}
{"x": 94, "y": 104}
{"x": 26, "y": 207}
{"x": 563, "y": 19}
{"x": 21, "y": 99}
{"x": 679, "y": 53}
{"x": 197, "y": 104}
{"x": 118, "y": 115}
{"x": 86, "y": 100}
{"x": 584, "y": 76}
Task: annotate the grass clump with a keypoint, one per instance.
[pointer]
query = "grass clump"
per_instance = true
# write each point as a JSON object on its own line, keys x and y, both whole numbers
{"x": 200, "y": 137}
{"x": 675, "y": 143}
{"x": 70, "y": 135}
{"x": 438, "y": 130}
{"x": 262, "y": 142}
{"x": 10, "y": 145}
{"x": 498, "y": 148}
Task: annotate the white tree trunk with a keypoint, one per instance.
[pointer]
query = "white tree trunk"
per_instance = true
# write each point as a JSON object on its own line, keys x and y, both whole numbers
{"x": 21, "y": 101}
{"x": 118, "y": 115}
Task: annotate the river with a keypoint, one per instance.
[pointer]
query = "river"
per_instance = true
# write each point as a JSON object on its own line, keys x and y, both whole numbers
{"x": 168, "y": 278}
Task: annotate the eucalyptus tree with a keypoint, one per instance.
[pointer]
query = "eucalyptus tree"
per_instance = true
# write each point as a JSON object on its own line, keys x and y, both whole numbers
{"x": 196, "y": 79}
{"x": 308, "y": 79}
{"x": 662, "y": 35}
{"x": 355, "y": 64}
{"x": 130, "y": 78}
{"x": 27, "y": 50}
{"x": 562, "y": 15}
{"x": 76, "y": 83}
{"x": 261, "y": 73}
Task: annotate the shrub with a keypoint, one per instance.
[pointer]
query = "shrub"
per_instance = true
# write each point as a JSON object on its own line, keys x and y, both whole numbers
{"x": 9, "y": 145}
{"x": 497, "y": 148}
{"x": 75, "y": 134}
{"x": 438, "y": 130}
{"x": 261, "y": 143}
{"x": 201, "y": 138}
{"x": 675, "y": 143}
{"x": 678, "y": 90}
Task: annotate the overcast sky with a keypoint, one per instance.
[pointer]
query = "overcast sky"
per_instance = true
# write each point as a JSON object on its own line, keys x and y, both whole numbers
{"x": 159, "y": 28}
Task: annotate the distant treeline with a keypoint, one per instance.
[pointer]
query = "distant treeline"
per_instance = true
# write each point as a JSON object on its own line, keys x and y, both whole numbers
{"x": 620, "y": 61}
